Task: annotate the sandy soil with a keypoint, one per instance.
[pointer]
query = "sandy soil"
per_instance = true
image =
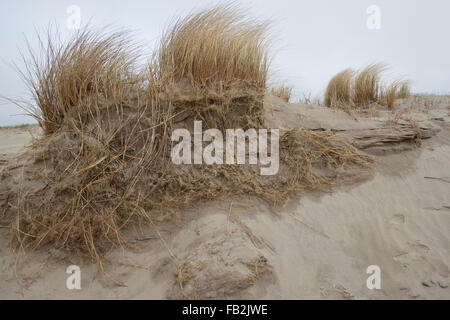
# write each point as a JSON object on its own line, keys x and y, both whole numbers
{"x": 316, "y": 247}
{"x": 12, "y": 140}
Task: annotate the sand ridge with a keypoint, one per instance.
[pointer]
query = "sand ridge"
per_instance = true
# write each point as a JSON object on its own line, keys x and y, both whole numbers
{"x": 315, "y": 247}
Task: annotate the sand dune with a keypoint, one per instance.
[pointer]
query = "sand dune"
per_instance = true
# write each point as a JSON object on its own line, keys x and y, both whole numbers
{"x": 14, "y": 139}
{"x": 317, "y": 246}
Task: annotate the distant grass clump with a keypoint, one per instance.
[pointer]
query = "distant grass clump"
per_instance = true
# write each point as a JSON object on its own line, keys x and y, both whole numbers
{"x": 389, "y": 94}
{"x": 282, "y": 91}
{"x": 404, "y": 91}
{"x": 366, "y": 84}
{"x": 349, "y": 89}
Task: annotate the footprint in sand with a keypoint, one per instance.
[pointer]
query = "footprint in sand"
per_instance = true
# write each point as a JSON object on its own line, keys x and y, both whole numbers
{"x": 398, "y": 219}
{"x": 417, "y": 250}
{"x": 420, "y": 258}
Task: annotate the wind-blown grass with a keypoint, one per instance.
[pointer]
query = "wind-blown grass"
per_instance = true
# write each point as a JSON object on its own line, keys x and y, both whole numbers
{"x": 349, "y": 89}
{"x": 282, "y": 91}
{"x": 338, "y": 91}
{"x": 389, "y": 93}
{"x": 366, "y": 85}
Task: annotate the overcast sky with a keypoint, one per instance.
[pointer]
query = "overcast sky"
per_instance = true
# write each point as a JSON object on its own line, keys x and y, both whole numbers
{"x": 316, "y": 39}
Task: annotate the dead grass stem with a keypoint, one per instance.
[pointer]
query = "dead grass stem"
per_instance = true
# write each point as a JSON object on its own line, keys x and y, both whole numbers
{"x": 282, "y": 91}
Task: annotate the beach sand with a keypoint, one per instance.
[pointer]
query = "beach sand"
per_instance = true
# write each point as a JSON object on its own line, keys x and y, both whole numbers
{"x": 317, "y": 246}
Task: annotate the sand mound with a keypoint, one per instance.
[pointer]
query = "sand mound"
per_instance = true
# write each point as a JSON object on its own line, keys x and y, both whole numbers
{"x": 225, "y": 266}
{"x": 104, "y": 161}
{"x": 241, "y": 247}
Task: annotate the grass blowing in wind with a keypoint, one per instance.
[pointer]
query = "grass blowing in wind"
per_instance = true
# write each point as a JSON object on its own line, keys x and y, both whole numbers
{"x": 351, "y": 89}
{"x": 339, "y": 89}
{"x": 282, "y": 91}
{"x": 66, "y": 76}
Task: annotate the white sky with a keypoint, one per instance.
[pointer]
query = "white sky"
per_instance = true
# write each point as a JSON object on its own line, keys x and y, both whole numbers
{"x": 316, "y": 39}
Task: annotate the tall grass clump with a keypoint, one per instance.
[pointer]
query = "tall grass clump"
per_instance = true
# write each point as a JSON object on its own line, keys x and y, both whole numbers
{"x": 213, "y": 64}
{"x": 338, "y": 91}
{"x": 389, "y": 93}
{"x": 350, "y": 89}
{"x": 215, "y": 48}
{"x": 282, "y": 91}
{"x": 367, "y": 86}
{"x": 76, "y": 74}
{"x": 104, "y": 127}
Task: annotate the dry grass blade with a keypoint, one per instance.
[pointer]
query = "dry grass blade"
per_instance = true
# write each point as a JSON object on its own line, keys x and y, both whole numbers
{"x": 308, "y": 226}
{"x": 404, "y": 90}
{"x": 349, "y": 89}
{"x": 92, "y": 65}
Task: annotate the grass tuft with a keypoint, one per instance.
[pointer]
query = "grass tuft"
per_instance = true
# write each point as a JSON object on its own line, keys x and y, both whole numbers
{"x": 404, "y": 90}
{"x": 338, "y": 91}
{"x": 282, "y": 91}
{"x": 105, "y": 159}
{"x": 366, "y": 86}
{"x": 215, "y": 48}
{"x": 349, "y": 89}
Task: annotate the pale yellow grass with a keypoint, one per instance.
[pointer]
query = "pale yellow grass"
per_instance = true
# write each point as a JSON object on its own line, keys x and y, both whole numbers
{"x": 339, "y": 89}
{"x": 282, "y": 91}
{"x": 349, "y": 89}
{"x": 215, "y": 48}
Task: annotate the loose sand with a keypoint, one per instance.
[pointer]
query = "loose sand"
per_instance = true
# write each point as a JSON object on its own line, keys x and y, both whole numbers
{"x": 316, "y": 247}
{"x": 13, "y": 139}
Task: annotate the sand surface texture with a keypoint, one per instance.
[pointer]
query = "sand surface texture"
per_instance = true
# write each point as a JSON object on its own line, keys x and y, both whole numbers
{"x": 317, "y": 246}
